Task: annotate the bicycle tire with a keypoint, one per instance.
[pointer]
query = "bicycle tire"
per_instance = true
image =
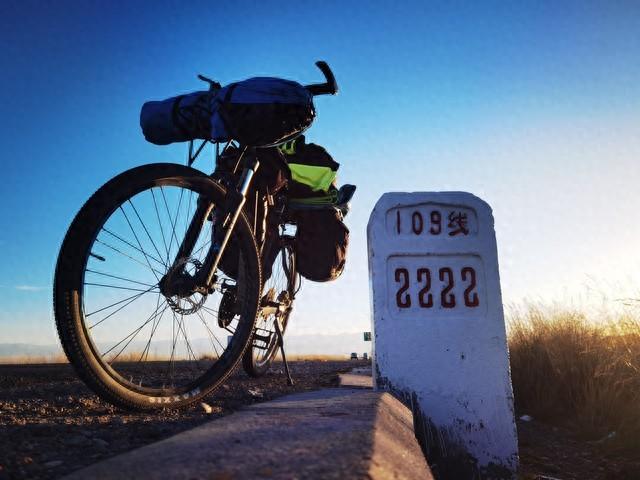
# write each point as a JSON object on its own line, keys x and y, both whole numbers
{"x": 252, "y": 366}
{"x": 69, "y": 289}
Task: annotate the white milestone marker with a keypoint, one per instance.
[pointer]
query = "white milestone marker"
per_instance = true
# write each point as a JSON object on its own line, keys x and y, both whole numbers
{"x": 439, "y": 337}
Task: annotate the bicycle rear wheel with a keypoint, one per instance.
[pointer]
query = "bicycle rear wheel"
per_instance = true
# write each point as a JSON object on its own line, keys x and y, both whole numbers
{"x": 135, "y": 346}
{"x": 276, "y": 305}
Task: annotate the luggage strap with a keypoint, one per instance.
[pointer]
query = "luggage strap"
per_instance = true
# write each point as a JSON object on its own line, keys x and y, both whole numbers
{"x": 224, "y": 103}
{"x": 330, "y": 198}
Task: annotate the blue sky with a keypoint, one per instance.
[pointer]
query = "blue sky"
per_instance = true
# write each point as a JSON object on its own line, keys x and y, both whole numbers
{"x": 532, "y": 106}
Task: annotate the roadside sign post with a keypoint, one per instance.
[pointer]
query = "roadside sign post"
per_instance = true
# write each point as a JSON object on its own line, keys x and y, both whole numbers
{"x": 439, "y": 337}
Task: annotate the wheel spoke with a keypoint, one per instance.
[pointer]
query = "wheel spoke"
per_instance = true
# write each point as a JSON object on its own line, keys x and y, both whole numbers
{"x": 133, "y": 334}
{"x": 119, "y": 278}
{"x": 196, "y": 252}
{"x": 145, "y": 228}
{"x": 115, "y": 235}
{"x": 186, "y": 340}
{"x": 120, "y": 287}
{"x": 153, "y": 270}
{"x": 174, "y": 223}
{"x": 172, "y": 220}
{"x": 186, "y": 218}
{"x": 146, "y": 257}
{"x": 154, "y": 327}
{"x": 133, "y": 299}
{"x": 164, "y": 239}
{"x": 211, "y": 311}
{"x": 114, "y": 304}
{"x": 212, "y": 336}
{"x": 171, "y": 370}
{"x": 166, "y": 207}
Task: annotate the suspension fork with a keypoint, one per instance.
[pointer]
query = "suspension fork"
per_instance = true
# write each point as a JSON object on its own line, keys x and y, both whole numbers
{"x": 203, "y": 209}
{"x": 235, "y": 200}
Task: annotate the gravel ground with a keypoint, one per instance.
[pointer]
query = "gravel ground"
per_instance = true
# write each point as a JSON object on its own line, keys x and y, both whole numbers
{"x": 549, "y": 452}
{"x": 51, "y": 424}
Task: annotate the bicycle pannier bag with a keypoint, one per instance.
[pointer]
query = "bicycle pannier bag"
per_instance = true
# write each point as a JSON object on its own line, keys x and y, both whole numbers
{"x": 261, "y": 111}
{"x": 258, "y": 111}
{"x": 313, "y": 170}
{"x": 321, "y": 244}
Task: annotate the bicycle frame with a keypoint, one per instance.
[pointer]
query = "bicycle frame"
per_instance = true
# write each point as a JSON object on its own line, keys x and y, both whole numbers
{"x": 205, "y": 277}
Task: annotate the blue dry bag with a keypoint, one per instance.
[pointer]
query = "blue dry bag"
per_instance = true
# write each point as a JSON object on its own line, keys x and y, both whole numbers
{"x": 258, "y": 111}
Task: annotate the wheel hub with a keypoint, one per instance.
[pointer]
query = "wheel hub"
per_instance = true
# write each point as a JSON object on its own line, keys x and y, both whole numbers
{"x": 180, "y": 289}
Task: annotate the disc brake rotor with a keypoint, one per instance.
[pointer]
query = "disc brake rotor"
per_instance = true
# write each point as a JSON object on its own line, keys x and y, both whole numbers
{"x": 185, "y": 305}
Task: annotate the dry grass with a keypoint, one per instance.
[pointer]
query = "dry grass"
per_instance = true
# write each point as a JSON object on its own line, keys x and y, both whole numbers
{"x": 61, "y": 358}
{"x": 316, "y": 358}
{"x": 135, "y": 356}
{"x": 33, "y": 359}
{"x": 584, "y": 371}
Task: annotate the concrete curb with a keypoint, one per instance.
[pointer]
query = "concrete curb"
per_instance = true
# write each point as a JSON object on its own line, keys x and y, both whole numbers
{"x": 333, "y": 433}
{"x": 357, "y": 378}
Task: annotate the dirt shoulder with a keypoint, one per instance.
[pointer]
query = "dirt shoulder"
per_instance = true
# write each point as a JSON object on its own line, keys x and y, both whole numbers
{"x": 52, "y": 424}
{"x": 554, "y": 452}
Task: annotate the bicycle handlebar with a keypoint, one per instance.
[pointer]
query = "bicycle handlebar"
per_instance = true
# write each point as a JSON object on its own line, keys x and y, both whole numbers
{"x": 330, "y": 87}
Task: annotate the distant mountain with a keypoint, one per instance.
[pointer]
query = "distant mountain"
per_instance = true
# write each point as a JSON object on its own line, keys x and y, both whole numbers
{"x": 341, "y": 344}
{"x": 26, "y": 349}
{"x": 319, "y": 344}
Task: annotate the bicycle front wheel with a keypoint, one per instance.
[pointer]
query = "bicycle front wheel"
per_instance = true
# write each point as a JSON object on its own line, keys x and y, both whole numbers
{"x": 135, "y": 346}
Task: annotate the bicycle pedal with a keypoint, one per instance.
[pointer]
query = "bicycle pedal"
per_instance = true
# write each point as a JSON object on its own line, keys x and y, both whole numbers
{"x": 227, "y": 308}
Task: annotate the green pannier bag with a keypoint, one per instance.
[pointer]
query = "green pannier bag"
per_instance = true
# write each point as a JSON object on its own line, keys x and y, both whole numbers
{"x": 322, "y": 238}
{"x": 313, "y": 171}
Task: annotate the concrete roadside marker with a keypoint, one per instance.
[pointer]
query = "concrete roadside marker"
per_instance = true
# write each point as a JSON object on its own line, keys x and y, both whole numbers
{"x": 439, "y": 337}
